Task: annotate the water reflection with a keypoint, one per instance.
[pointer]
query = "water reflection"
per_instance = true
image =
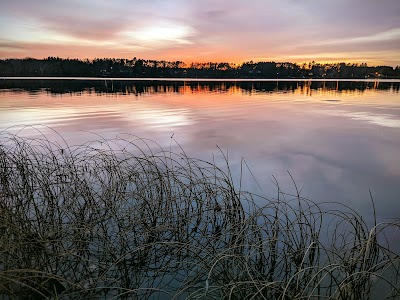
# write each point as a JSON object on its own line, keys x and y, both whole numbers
{"x": 385, "y": 120}
{"x": 126, "y": 87}
{"x": 338, "y": 139}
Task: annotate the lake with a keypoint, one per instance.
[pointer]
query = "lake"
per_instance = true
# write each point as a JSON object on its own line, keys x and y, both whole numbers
{"x": 338, "y": 139}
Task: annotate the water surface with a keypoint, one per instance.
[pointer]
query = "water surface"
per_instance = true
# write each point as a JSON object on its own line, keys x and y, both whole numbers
{"x": 338, "y": 139}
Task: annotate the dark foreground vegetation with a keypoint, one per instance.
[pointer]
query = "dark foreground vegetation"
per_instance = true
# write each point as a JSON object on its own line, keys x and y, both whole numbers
{"x": 120, "y": 67}
{"x": 125, "y": 219}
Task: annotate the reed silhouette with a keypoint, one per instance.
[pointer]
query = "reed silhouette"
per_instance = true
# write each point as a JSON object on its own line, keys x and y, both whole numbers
{"x": 127, "y": 219}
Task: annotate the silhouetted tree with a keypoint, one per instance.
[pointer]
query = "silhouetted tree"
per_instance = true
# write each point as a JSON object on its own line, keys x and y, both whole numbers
{"x": 121, "y": 67}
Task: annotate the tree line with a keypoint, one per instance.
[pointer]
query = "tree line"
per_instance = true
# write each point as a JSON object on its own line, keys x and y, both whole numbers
{"x": 121, "y": 67}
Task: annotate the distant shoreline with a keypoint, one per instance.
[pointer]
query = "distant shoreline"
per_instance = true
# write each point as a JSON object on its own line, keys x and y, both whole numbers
{"x": 197, "y": 79}
{"x": 172, "y": 70}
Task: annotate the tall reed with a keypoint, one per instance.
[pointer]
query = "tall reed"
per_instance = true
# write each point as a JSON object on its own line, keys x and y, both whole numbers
{"x": 126, "y": 219}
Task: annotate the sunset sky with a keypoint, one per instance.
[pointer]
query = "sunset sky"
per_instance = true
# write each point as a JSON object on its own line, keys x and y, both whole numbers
{"x": 204, "y": 30}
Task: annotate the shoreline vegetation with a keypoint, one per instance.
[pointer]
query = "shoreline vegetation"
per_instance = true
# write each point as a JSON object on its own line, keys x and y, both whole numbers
{"x": 127, "y": 219}
{"x": 141, "y": 68}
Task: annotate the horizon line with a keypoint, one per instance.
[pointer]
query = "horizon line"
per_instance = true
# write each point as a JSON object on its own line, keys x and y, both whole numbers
{"x": 314, "y": 62}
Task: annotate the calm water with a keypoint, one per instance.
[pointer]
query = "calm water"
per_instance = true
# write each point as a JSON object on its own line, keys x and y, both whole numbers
{"x": 338, "y": 139}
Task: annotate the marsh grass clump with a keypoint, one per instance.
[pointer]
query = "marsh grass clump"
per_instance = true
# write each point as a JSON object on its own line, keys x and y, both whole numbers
{"x": 126, "y": 219}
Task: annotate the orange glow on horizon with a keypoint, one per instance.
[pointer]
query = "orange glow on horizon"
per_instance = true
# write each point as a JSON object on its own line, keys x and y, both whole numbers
{"x": 188, "y": 55}
{"x": 234, "y": 63}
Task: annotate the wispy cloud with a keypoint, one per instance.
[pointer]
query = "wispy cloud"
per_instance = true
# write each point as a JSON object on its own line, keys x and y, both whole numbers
{"x": 206, "y": 30}
{"x": 160, "y": 35}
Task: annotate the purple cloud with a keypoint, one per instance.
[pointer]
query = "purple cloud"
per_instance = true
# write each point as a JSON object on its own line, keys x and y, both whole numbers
{"x": 235, "y": 29}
